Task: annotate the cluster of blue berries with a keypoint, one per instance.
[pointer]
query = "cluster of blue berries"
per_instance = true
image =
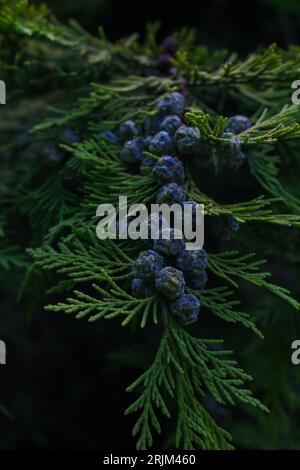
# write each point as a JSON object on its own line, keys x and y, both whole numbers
{"x": 51, "y": 150}
{"x": 166, "y": 136}
{"x": 169, "y": 269}
{"x": 238, "y": 124}
{"x": 161, "y": 135}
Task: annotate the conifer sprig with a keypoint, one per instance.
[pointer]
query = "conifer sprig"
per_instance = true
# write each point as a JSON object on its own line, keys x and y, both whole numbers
{"x": 264, "y": 166}
{"x": 187, "y": 367}
{"x": 98, "y": 158}
{"x": 120, "y": 100}
{"x": 255, "y": 210}
{"x": 219, "y": 301}
{"x": 112, "y": 302}
{"x": 230, "y": 265}
{"x": 267, "y": 128}
{"x": 263, "y": 77}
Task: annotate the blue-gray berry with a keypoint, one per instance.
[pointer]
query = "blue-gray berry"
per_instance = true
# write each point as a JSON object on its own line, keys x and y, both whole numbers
{"x": 163, "y": 107}
{"x": 199, "y": 282}
{"x": 231, "y": 150}
{"x": 109, "y": 135}
{"x": 187, "y": 140}
{"x": 176, "y": 103}
{"x": 161, "y": 144}
{"x": 141, "y": 289}
{"x": 167, "y": 244}
{"x": 225, "y": 227}
{"x": 132, "y": 152}
{"x": 168, "y": 170}
{"x": 170, "y": 124}
{"x": 233, "y": 145}
{"x": 238, "y": 124}
{"x": 152, "y": 125}
{"x": 163, "y": 63}
{"x": 170, "y": 282}
{"x": 68, "y": 137}
{"x": 173, "y": 104}
{"x": 52, "y": 153}
{"x": 236, "y": 160}
{"x": 192, "y": 262}
{"x": 128, "y": 130}
{"x": 23, "y": 136}
{"x": 147, "y": 142}
{"x": 146, "y": 165}
{"x": 147, "y": 265}
{"x": 171, "y": 193}
{"x": 186, "y": 309}
{"x": 171, "y": 44}
{"x": 205, "y": 152}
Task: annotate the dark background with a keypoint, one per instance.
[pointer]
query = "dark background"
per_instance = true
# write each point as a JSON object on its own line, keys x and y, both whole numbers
{"x": 65, "y": 380}
{"x": 233, "y": 24}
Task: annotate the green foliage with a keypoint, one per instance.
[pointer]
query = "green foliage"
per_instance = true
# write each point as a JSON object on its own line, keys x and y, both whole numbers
{"x": 185, "y": 367}
{"x": 259, "y": 79}
{"x": 250, "y": 211}
{"x": 266, "y": 130}
{"x": 265, "y": 168}
{"x": 229, "y": 265}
